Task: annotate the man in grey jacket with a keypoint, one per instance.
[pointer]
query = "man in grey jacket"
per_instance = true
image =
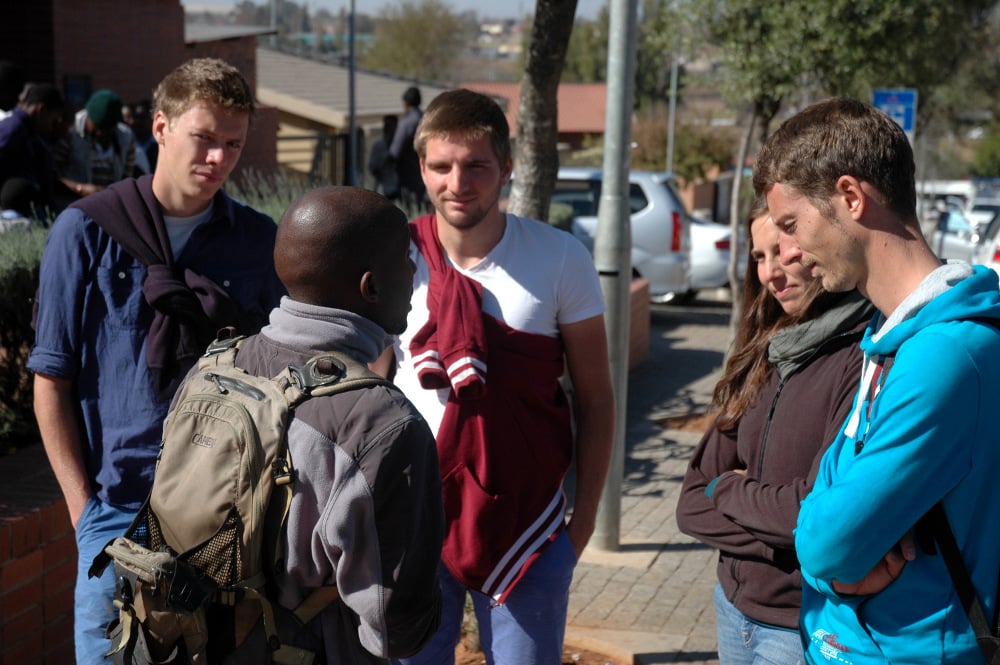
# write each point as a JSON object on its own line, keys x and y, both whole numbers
{"x": 366, "y": 514}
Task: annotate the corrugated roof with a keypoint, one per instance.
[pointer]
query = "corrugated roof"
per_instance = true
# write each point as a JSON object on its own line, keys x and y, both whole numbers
{"x": 198, "y": 32}
{"x": 318, "y": 90}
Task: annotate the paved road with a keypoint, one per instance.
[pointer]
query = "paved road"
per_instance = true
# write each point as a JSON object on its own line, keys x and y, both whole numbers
{"x": 650, "y": 602}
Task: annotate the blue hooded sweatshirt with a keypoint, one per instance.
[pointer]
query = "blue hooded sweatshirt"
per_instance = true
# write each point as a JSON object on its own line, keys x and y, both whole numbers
{"x": 923, "y": 432}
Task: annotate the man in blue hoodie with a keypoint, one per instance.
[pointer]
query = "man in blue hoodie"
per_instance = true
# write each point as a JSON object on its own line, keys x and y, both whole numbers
{"x": 839, "y": 180}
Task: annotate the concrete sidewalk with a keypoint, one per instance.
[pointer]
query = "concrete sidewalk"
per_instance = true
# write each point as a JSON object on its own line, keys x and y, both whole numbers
{"x": 651, "y": 601}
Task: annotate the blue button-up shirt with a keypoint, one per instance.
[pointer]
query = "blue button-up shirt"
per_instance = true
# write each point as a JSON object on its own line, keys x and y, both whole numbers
{"x": 93, "y": 323}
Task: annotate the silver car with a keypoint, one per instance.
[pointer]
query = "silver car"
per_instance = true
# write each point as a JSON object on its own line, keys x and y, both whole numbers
{"x": 661, "y": 226}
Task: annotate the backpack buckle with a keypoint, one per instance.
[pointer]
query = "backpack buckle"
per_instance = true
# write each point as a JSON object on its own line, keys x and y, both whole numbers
{"x": 226, "y": 338}
{"x": 188, "y": 589}
{"x": 322, "y": 370}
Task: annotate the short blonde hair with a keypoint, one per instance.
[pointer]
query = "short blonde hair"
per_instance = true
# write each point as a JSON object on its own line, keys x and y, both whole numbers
{"x": 203, "y": 80}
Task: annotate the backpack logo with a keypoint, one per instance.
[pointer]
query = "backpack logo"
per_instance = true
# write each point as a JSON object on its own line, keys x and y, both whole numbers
{"x": 203, "y": 440}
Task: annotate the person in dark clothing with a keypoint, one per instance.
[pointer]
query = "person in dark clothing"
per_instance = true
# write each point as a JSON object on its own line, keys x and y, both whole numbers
{"x": 27, "y": 170}
{"x": 786, "y": 390}
{"x": 380, "y": 165}
{"x": 366, "y": 513}
{"x": 404, "y": 154}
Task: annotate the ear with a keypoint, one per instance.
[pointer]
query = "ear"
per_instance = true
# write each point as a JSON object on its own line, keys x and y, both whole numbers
{"x": 369, "y": 289}
{"x": 160, "y": 124}
{"x": 854, "y": 196}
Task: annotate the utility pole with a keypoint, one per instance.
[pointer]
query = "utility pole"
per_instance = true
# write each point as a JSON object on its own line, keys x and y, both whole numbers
{"x": 671, "y": 121}
{"x": 352, "y": 141}
{"x": 613, "y": 251}
{"x": 274, "y": 24}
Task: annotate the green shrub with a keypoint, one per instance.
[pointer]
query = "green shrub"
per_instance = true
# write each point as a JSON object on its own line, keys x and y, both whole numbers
{"x": 20, "y": 253}
{"x": 271, "y": 194}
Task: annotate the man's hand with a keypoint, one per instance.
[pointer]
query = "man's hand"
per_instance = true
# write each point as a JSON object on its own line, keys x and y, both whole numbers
{"x": 579, "y": 534}
{"x": 884, "y": 573}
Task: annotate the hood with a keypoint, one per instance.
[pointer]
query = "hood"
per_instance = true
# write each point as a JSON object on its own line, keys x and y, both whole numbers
{"x": 955, "y": 291}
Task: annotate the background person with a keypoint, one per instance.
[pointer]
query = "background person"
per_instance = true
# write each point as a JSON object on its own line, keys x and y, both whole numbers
{"x": 99, "y": 149}
{"x": 134, "y": 282}
{"x": 27, "y": 170}
{"x": 404, "y": 154}
{"x": 786, "y": 390}
{"x": 839, "y": 180}
{"x": 380, "y": 165}
{"x": 501, "y": 307}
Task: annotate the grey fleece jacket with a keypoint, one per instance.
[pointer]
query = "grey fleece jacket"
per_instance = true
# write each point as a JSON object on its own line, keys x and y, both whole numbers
{"x": 366, "y": 512}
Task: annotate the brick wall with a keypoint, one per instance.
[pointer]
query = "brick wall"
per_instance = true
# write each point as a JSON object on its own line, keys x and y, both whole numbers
{"x": 638, "y": 331}
{"x": 240, "y": 52}
{"x": 37, "y": 563}
{"x": 124, "y": 45}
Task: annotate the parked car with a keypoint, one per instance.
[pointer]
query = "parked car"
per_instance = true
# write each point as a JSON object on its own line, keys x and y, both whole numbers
{"x": 987, "y": 251}
{"x": 982, "y": 212}
{"x": 711, "y": 246}
{"x": 661, "y": 226}
{"x": 955, "y": 236}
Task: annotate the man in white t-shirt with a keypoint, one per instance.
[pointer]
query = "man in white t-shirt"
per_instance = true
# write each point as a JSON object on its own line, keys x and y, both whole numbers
{"x": 501, "y": 307}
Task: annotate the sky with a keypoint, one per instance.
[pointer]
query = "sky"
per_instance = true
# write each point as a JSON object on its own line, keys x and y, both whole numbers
{"x": 491, "y": 9}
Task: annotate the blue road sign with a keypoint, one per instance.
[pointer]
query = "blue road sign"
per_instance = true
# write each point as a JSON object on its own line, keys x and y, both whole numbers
{"x": 900, "y": 105}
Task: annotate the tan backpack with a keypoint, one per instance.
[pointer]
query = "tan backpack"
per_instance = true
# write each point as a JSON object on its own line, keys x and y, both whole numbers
{"x": 193, "y": 570}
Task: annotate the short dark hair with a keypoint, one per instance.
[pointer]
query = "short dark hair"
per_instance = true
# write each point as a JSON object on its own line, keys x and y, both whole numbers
{"x": 466, "y": 114}
{"x": 837, "y": 137}
{"x": 45, "y": 94}
{"x": 412, "y": 96}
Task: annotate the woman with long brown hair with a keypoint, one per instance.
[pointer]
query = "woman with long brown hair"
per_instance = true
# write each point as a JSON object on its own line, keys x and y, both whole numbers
{"x": 785, "y": 392}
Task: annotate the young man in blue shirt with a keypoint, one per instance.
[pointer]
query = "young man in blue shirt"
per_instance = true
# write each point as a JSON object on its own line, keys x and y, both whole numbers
{"x": 134, "y": 281}
{"x": 839, "y": 180}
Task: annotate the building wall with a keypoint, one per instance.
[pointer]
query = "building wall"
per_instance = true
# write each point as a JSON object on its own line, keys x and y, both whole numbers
{"x": 241, "y": 52}
{"x": 26, "y": 38}
{"x": 124, "y": 45}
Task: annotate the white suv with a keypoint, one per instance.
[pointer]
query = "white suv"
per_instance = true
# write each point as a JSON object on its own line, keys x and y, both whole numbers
{"x": 661, "y": 227}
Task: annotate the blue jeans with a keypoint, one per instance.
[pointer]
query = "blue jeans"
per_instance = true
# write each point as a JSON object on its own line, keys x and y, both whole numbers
{"x": 742, "y": 641}
{"x": 526, "y": 630}
{"x": 94, "y": 610}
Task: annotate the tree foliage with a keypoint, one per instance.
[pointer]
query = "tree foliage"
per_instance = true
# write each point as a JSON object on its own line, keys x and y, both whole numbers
{"x": 421, "y": 40}
{"x": 987, "y": 163}
{"x": 777, "y": 52}
{"x": 664, "y": 32}
{"x": 587, "y": 53}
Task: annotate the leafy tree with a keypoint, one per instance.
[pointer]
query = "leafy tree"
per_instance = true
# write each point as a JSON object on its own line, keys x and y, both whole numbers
{"x": 587, "y": 52}
{"x": 420, "y": 40}
{"x": 780, "y": 51}
{"x": 987, "y": 163}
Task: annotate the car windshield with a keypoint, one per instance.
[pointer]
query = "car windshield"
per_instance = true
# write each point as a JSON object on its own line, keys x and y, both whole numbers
{"x": 584, "y": 196}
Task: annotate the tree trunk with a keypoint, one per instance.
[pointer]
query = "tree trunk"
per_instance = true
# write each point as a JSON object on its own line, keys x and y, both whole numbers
{"x": 536, "y": 159}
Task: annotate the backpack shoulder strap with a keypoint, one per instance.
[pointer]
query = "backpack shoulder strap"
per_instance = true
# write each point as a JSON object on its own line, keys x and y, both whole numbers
{"x": 944, "y": 537}
{"x": 329, "y": 373}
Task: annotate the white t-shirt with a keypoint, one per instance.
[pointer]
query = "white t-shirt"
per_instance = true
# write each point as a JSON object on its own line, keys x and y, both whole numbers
{"x": 536, "y": 279}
